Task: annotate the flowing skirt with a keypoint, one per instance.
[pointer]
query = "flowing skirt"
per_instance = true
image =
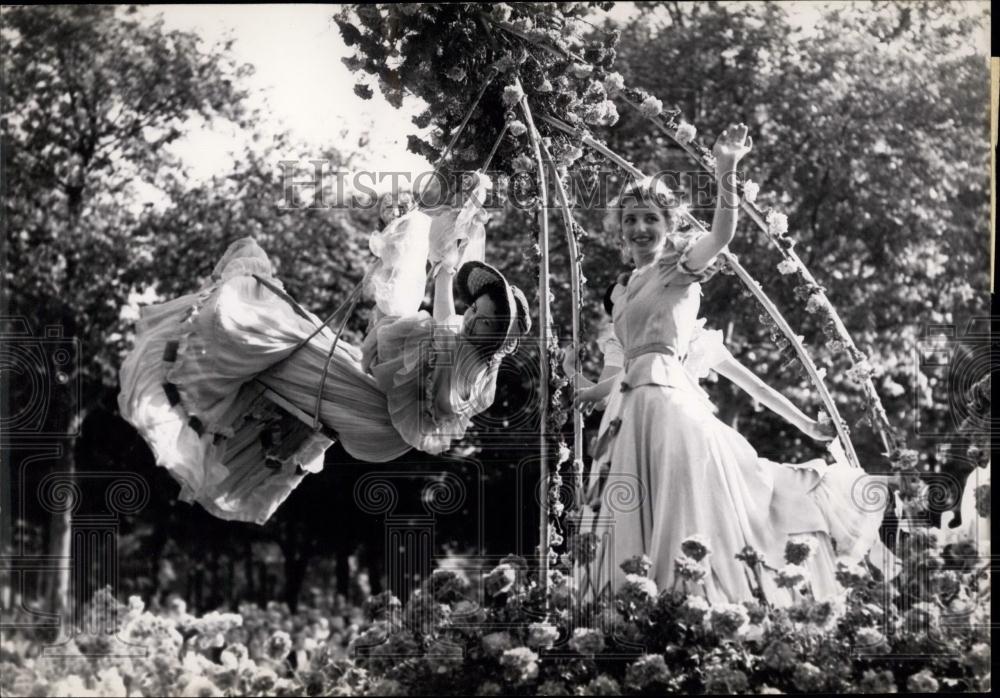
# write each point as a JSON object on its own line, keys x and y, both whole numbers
{"x": 677, "y": 471}
{"x": 203, "y": 378}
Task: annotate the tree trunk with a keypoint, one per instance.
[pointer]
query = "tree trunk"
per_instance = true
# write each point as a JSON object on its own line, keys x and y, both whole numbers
{"x": 295, "y": 574}
{"x": 61, "y": 541}
{"x": 248, "y": 570}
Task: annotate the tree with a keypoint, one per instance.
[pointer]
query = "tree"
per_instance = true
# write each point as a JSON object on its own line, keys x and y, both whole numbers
{"x": 92, "y": 96}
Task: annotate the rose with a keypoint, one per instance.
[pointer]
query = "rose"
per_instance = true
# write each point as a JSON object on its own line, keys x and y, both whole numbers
{"x": 496, "y": 643}
{"x": 587, "y": 641}
{"x": 689, "y": 570}
{"x": 542, "y": 635}
{"x": 808, "y": 678}
{"x": 512, "y": 95}
{"x": 613, "y": 84}
{"x": 520, "y": 665}
{"x": 790, "y": 576}
{"x": 877, "y": 682}
{"x": 777, "y": 223}
{"x": 651, "y": 107}
{"x": 798, "y": 552}
{"x": 279, "y": 645}
{"x": 922, "y": 682}
{"x": 749, "y": 556}
{"x": 647, "y": 672}
{"x": 637, "y": 564}
{"x": 500, "y": 580}
{"x": 685, "y": 133}
{"x": 788, "y": 266}
{"x": 693, "y": 610}
{"x": 696, "y": 547}
{"x": 750, "y": 191}
{"x": 727, "y": 619}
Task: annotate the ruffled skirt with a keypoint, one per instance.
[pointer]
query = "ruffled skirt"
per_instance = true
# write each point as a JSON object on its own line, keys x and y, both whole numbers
{"x": 677, "y": 471}
{"x": 205, "y": 379}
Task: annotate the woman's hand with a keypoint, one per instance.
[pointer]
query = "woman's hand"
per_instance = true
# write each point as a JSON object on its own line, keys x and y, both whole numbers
{"x": 586, "y": 402}
{"x": 730, "y": 148}
{"x": 820, "y": 431}
{"x": 571, "y": 362}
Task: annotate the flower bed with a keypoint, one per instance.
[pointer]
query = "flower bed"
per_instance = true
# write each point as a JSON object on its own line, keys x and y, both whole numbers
{"x": 503, "y": 635}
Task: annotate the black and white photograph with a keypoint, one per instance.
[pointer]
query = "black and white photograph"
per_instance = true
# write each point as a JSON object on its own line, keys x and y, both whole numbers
{"x": 487, "y": 349}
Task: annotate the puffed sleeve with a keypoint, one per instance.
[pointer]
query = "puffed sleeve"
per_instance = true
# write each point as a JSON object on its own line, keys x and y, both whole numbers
{"x": 675, "y": 269}
{"x": 406, "y": 355}
{"x": 706, "y": 351}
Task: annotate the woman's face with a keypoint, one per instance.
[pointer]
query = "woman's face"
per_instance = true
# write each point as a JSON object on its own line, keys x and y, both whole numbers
{"x": 483, "y": 319}
{"x": 644, "y": 229}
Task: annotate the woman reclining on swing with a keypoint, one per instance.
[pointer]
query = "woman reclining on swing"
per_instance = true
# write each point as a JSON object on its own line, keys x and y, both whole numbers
{"x": 202, "y": 362}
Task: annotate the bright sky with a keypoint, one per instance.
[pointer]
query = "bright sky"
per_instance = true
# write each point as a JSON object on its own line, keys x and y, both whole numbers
{"x": 297, "y": 51}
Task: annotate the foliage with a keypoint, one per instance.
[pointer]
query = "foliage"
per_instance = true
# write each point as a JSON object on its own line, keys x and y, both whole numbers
{"x": 91, "y": 98}
{"x": 500, "y": 634}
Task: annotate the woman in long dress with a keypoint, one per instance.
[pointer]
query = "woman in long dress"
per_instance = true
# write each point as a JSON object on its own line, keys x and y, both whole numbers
{"x": 675, "y": 469}
{"x": 207, "y": 370}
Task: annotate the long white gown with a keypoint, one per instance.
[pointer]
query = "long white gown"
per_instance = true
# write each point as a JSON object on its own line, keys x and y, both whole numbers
{"x": 666, "y": 468}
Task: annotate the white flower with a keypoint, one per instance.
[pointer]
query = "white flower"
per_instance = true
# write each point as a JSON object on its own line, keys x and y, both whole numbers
{"x": 869, "y": 638}
{"x": 688, "y": 569}
{"x": 197, "y": 686}
{"x": 860, "y": 372}
{"x": 788, "y": 266}
{"x": 613, "y": 84}
{"x": 520, "y": 664}
{"x": 777, "y": 223}
{"x": 512, "y": 95}
{"x": 651, "y": 106}
{"x": 694, "y": 608}
{"x": 696, "y": 547}
{"x": 587, "y": 641}
{"x": 111, "y": 684}
{"x": 727, "y": 619}
{"x": 641, "y": 584}
{"x": 685, "y": 133}
{"x": 922, "y": 682}
{"x": 542, "y": 635}
{"x": 816, "y": 303}
{"x": 750, "y": 191}
{"x": 523, "y": 163}
{"x": 790, "y": 576}
{"x": 581, "y": 70}
{"x": 517, "y": 128}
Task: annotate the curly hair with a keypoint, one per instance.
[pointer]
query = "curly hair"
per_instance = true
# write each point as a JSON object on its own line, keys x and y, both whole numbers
{"x": 649, "y": 192}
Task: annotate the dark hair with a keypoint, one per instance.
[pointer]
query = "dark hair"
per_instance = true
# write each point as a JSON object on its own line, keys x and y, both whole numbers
{"x": 609, "y": 305}
{"x": 490, "y": 344}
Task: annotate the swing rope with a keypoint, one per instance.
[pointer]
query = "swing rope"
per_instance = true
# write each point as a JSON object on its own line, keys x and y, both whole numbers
{"x": 347, "y": 307}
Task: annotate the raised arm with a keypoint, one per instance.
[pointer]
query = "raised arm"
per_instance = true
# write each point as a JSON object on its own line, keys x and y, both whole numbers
{"x": 444, "y": 275}
{"x": 444, "y": 296}
{"x": 732, "y": 145}
{"x": 772, "y": 399}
